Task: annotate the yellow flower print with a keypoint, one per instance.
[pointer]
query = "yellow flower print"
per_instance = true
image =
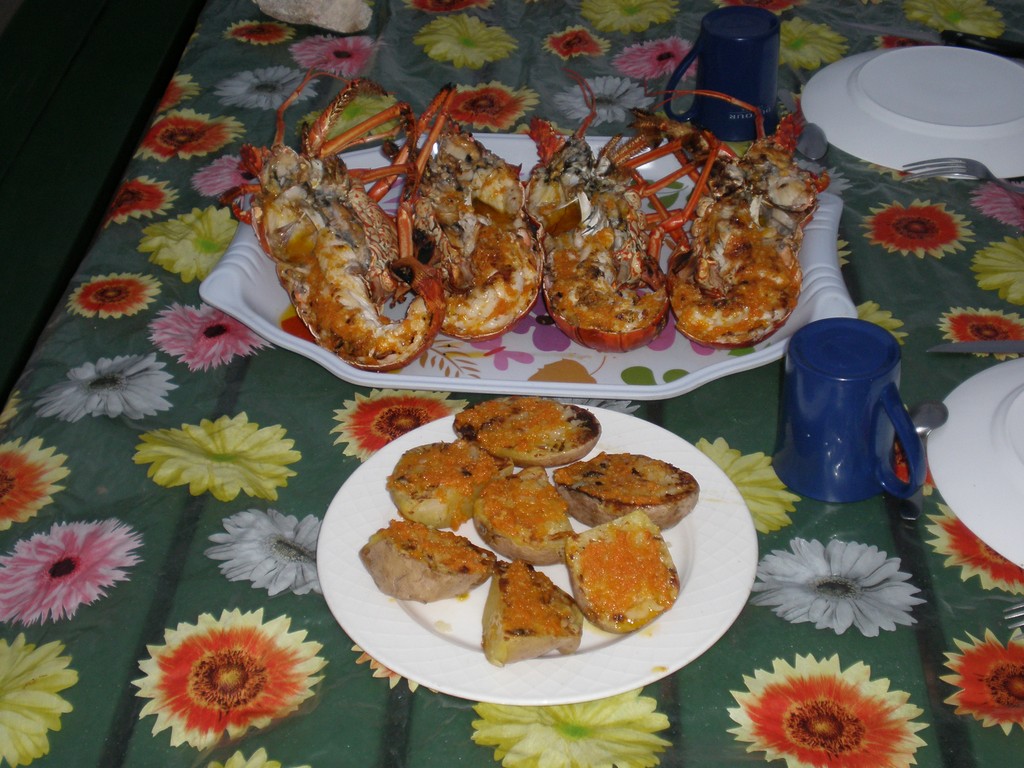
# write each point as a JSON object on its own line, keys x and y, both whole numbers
{"x": 755, "y": 478}
{"x": 627, "y": 15}
{"x": 1000, "y": 267}
{"x": 805, "y": 45}
{"x": 10, "y": 408}
{"x": 258, "y": 759}
{"x": 30, "y": 679}
{"x": 616, "y": 731}
{"x": 973, "y": 16}
{"x": 191, "y": 244}
{"x": 224, "y": 457}
{"x": 465, "y": 41}
{"x": 873, "y": 313}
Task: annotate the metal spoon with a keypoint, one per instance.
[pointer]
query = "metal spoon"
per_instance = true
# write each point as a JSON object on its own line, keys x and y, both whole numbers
{"x": 927, "y": 415}
{"x": 812, "y": 143}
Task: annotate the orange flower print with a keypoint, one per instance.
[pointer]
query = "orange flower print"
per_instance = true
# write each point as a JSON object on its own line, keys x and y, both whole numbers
{"x": 113, "y": 295}
{"x": 575, "y": 41}
{"x": 990, "y": 679}
{"x": 380, "y": 671}
{"x": 260, "y": 32}
{"x": 368, "y": 423}
{"x": 492, "y": 105}
{"x": 141, "y": 197}
{"x": 922, "y": 229}
{"x": 29, "y": 476}
{"x": 220, "y": 677}
{"x": 815, "y": 715}
{"x": 970, "y": 324}
{"x": 180, "y": 88}
{"x": 966, "y": 551}
{"x": 184, "y": 133}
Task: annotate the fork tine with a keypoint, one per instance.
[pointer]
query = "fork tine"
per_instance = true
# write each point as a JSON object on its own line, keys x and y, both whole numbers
{"x": 1014, "y": 611}
{"x": 936, "y": 160}
{"x": 928, "y": 174}
{"x": 936, "y": 168}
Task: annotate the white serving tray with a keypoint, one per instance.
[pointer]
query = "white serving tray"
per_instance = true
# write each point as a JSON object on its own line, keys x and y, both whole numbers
{"x": 534, "y": 358}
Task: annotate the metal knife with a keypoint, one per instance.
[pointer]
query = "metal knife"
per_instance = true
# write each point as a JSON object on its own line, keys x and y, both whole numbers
{"x": 951, "y": 37}
{"x": 995, "y": 346}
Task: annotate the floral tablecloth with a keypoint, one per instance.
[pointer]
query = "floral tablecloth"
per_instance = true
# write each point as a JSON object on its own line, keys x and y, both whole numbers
{"x": 164, "y": 472}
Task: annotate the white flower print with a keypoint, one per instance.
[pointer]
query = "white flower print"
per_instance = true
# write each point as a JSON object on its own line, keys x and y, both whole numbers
{"x": 265, "y": 88}
{"x": 275, "y": 552}
{"x": 613, "y": 98}
{"x": 128, "y": 385}
{"x": 837, "y": 586}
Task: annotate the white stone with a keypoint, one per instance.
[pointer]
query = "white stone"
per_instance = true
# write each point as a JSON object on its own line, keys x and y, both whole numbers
{"x": 342, "y": 16}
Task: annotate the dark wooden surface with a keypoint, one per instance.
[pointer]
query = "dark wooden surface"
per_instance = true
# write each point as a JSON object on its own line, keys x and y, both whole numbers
{"x": 78, "y": 82}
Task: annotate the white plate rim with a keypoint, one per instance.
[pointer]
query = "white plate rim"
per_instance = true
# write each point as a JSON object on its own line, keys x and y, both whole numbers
{"x": 718, "y": 535}
{"x": 831, "y": 99}
{"x": 244, "y": 285}
{"x": 970, "y": 459}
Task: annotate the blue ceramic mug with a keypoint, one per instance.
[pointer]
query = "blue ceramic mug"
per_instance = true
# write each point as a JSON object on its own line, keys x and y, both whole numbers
{"x": 840, "y": 411}
{"x": 737, "y": 53}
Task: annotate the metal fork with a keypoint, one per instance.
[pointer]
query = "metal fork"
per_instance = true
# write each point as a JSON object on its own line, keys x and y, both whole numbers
{"x": 1014, "y": 615}
{"x": 957, "y": 168}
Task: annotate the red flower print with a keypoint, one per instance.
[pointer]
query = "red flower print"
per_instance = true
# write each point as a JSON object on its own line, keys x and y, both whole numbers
{"x": 184, "y": 134}
{"x": 922, "y": 229}
{"x": 139, "y": 197}
{"x": 990, "y": 678}
{"x": 491, "y": 106}
{"x": 965, "y": 550}
{"x": 113, "y": 295}
{"x": 575, "y": 41}
{"x": 260, "y": 32}
{"x": 367, "y": 424}
{"x": 981, "y": 325}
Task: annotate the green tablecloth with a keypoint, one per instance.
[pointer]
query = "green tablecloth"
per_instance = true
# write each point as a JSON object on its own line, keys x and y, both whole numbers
{"x": 164, "y": 472}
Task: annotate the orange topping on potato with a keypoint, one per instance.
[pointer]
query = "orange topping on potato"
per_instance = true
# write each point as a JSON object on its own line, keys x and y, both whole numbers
{"x": 625, "y": 564}
{"x": 449, "y": 551}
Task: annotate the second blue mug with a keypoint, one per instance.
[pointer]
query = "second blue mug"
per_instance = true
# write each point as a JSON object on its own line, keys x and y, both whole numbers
{"x": 840, "y": 413}
{"x": 737, "y": 53}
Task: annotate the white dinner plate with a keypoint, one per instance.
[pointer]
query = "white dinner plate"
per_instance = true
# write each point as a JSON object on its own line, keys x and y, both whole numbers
{"x": 438, "y": 644}
{"x": 900, "y": 105}
{"x": 533, "y": 358}
{"x": 977, "y": 457}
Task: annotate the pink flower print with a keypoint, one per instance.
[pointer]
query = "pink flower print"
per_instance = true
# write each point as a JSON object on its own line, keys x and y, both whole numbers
{"x": 345, "y": 56}
{"x": 1000, "y": 204}
{"x": 223, "y": 174}
{"x": 654, "y": 58}
{"x": 202, "y": 337}
{"x": 50, "y": 575}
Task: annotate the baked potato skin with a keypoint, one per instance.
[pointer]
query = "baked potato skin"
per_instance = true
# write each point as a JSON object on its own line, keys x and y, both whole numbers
{"x": 530, "y": 431}
{"x": 526, "y": 615}
{"x": 438, "y": 483}
{"x": 622, "y": 574}
{"x": 411, "y": 561}
{"x": 523, "y": 517}
{"x": 611, "y": 485}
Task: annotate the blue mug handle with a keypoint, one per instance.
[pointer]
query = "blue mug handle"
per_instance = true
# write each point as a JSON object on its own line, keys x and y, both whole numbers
{"x": 673, "y": 81}
{"x": 912, "y": 448}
